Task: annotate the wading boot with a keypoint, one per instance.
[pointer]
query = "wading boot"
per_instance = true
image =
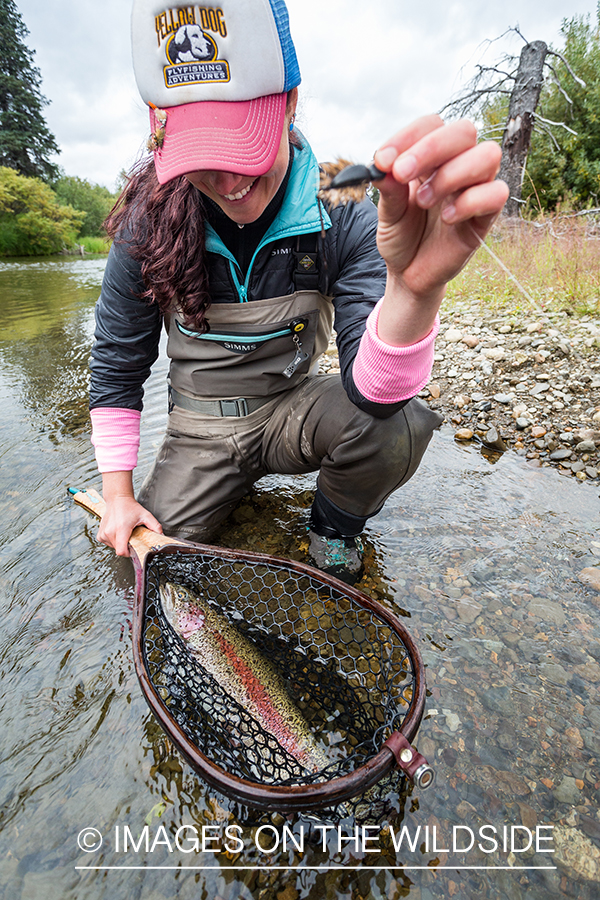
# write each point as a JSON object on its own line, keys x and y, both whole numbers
{"x": 337, "y": 556}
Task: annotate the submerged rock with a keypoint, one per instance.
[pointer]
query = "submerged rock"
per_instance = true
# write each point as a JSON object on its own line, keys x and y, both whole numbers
{"x": 576, "y": 854}
{"x": 591, "y": 577}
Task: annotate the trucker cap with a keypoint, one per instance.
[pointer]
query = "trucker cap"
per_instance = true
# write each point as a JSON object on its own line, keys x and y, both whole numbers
{"x": 216, "y": 81}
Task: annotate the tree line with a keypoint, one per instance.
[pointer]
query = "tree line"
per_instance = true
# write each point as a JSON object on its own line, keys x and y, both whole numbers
{"x": 42, "y": 210}
{"x": 551, "y": 146}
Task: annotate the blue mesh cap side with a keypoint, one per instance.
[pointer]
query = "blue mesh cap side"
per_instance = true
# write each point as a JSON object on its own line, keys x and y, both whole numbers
{"x": 282, "y": 21}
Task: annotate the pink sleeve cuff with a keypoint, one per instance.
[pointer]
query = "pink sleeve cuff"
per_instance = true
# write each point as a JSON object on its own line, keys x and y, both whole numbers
{"x": 387, "y": 374}
{"x": 116, "y": 437}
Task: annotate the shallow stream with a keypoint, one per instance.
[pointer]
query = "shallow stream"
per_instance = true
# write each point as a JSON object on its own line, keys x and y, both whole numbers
{"x": 482, "y": 559}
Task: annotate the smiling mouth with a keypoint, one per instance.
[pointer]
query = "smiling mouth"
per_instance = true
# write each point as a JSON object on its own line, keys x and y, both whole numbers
{"x": 241, "y": 193}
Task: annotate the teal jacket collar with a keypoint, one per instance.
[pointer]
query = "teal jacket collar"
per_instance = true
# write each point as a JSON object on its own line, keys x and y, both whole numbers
{"x": 300, "y": 213}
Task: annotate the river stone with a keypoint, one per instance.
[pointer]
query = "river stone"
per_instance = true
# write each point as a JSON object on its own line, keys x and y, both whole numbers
{"x": 495, "y": 353}
{"x": 575, "y": 854}
{"x": 591, "y": 826}
{"x": 504, "y": 398}
{"x": 468, "y": 609}
{"x": 591, "y": 739}
{"x": 586, "y": 447}
{"x": 591, "y": 577}
{"x": 453, "y": 335}
{"x": 539, "y": 388}
{"x": 561, "y": 454}
{"x": 452, "y": 721}
{"x": 463, "y": 434}
{"x": 522, "y": 423}
{"x": 587, "y": 434}
{"x": 547, "y": 611}
{"x": 493, "y": 440}
{"x": 554, "y": 672}
{"x": 567, "y": 791}
{"x": 592, "y": 714}
{"x": 497, "y": 700}
{"x": 589, "y": 671}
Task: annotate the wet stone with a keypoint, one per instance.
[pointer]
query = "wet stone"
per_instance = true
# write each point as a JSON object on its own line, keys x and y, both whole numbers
{"x": 547, "y": 611}
{"x": 591, "y": 577}
{"x": 522, "y": 423}
{"x": 554, "y": 672}
{"x": 591, "y": 740}
{"x": 575, "y": 854}
{"x": 590, "y": 826}
{"x": 567, "y": 791}
{"x": 498, "y": 700}
{"x": 463, "y": 434}
{"x": 492, "y": 439}
{"x": 592, "y": 713}
{"x": 585, "y": 447}
{"x": 561, "y": 454}
{"x": 468, "y": 610}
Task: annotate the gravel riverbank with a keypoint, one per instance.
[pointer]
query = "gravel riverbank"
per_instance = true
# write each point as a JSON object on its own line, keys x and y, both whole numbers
{"x": 518, "y": 381}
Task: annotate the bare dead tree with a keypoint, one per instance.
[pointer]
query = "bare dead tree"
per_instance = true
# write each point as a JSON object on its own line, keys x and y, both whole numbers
{"x": 522, "y": 82}
{"x": 524, "y": 99}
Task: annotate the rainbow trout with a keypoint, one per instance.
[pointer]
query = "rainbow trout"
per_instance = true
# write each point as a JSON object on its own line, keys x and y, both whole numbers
{"x": 242, "y": 671}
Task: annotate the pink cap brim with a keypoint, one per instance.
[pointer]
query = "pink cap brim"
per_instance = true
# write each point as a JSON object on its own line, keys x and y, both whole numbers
{"x": 240, "y": 136}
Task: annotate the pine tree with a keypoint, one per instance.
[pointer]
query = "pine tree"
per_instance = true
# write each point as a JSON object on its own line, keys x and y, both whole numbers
{"x": 26, "y": 143}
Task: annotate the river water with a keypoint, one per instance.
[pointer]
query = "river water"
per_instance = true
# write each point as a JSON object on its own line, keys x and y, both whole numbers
{"x": 480, "y": 556}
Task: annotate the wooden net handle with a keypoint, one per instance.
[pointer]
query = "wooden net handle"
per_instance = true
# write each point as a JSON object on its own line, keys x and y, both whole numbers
{"x": 142, "y": 539}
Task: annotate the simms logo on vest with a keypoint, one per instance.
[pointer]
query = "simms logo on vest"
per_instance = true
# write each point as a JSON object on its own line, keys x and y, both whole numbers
{"x": 238, "y": 348}
{"x": 191, "y": 46}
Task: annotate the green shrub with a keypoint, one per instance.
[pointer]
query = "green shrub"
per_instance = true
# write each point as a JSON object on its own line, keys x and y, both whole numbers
{"x": 95, "y": 244}
{"x": 92, "y": 199}
{"x": 32, "y": 221}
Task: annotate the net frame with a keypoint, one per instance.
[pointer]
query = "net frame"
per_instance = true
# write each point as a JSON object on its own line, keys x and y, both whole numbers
{"x": 356, "y": 774}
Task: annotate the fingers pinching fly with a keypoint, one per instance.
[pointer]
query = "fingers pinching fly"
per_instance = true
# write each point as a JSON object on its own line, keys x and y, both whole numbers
{"x": 421, "y": 148}
{"x": 445, "y": 163}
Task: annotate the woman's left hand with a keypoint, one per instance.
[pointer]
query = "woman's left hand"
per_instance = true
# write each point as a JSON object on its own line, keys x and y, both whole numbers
{"x": 439, "y": 197}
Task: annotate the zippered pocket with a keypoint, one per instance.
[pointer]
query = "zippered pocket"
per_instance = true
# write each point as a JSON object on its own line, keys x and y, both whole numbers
{"x": 247, "y": 342}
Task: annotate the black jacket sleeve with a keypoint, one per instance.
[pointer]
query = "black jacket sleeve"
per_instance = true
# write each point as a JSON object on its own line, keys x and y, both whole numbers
{"x": 126, "y": 337}
{"x": 357, "y": 277}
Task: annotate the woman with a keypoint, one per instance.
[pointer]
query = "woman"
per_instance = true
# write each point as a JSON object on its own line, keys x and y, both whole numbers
{"x": 228, "y": 245}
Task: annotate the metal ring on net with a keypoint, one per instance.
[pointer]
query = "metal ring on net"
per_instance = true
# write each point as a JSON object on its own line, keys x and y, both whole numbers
{"x": 350, "y": 666}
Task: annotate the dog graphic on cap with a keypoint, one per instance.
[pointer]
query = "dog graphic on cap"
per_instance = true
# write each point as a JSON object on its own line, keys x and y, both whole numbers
{"x": 190, "y": 44}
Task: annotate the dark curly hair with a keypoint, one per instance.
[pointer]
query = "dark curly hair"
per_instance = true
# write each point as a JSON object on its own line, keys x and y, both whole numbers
{"x": 164, "y": 228}
{"x": 163, "y": 225}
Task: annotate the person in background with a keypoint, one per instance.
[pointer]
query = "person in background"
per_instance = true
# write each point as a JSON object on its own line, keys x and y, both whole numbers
{"x": 224, "y": 238}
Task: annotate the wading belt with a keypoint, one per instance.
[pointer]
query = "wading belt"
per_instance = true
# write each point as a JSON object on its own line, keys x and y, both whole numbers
{"x": 239, "y": 407}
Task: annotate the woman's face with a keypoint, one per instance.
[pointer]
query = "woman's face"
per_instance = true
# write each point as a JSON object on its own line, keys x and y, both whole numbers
{"x": 245, "y": 197}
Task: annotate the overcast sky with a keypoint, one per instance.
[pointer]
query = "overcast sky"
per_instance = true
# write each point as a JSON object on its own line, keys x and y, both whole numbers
{"x": 367, "y": 69}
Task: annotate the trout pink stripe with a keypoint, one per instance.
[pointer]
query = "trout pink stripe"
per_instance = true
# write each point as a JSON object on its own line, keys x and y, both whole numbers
{"x": 260, "y": 696}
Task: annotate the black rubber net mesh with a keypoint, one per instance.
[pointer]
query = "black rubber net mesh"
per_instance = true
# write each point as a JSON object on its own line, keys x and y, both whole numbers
{"x": 348, "y": 673}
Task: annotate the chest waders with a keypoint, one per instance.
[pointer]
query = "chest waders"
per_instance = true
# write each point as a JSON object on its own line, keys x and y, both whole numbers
{"x": 245, "y": 401}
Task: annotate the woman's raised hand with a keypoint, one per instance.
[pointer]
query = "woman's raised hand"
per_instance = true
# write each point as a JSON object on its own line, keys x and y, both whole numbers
{"x": 439, "y": 197}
